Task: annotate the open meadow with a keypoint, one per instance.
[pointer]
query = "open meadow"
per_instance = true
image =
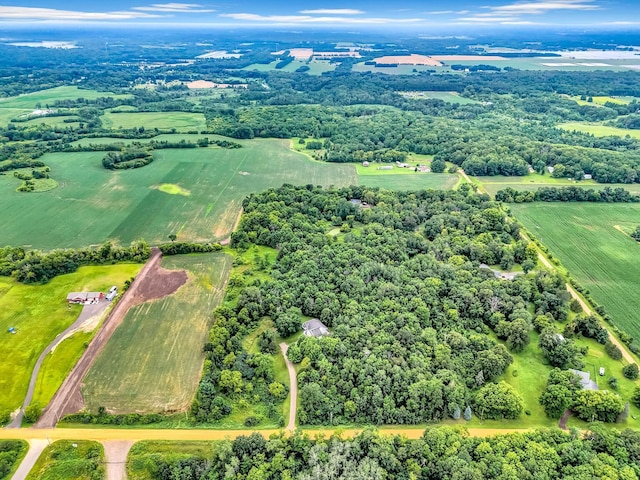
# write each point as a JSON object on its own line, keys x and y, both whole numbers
{"x": 13, "y": 107}
{"x": 154, "y": 360}
{"x": 586, "y": 237}
{"x": 70, "y": 460}
{"x": 598, "y": 130}
{"x": 181, "y": 121}
{"x": 39, "y": 313}
{"x": 93, "y": 204}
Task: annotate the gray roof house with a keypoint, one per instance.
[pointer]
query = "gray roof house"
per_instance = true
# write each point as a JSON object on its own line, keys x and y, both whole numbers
{"x": 585, "y": 379}
{"x": 315, "y": 328}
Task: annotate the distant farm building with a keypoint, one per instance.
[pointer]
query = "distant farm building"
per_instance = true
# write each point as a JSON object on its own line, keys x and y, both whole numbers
{"x": 585, "y": 380}
{"x": 587, "y": 176}
{"x": 602, "y": 371}
{"x": 550, "y": 169}
{"x": 315, "y": 328}
{"x": 84, "y": 297}
{"x": 423, "y": 169}
{"x": 365, "y": 164}
{"x": 402, "y": 165}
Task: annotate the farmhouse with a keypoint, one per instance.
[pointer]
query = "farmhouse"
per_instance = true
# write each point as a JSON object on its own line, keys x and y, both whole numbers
{"x": 585, "y": 380}
{"x": 315, "y": 328}
{"x": 84, "y": 297}
{"x": 423, "y": 169}
{"x": 402, "y": 165}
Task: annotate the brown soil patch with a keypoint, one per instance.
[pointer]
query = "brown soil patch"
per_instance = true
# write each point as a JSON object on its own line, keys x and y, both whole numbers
{"x": 153, "y": 282}
{"x": 412, "y": 59}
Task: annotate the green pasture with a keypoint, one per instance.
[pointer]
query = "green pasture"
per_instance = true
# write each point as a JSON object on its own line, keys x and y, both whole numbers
{"x": 417, "y": 181}
{"x": 586, "y": 239}
{"x": 39, "y": 313}
{"x": 451, "y": 97}
{"x": 49, "y": 96}
{"x": 92, "y": 204}
{"x": 154, "y": 360}
{"x": 56, "y": 122}
{"x": 145, "y": 456}
{"x": 601, "y": 100}
{"x": 399, "y": 70}
{"x": 181, "y": 121}
{"x": 599, "y": 130}
{"x": 316, "y": 67}
{"x": 57, "y": 366}
{"x": 70, "y": 460}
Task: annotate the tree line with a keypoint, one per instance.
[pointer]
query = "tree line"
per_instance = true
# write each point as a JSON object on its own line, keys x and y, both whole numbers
{"x": 566, "y": 194}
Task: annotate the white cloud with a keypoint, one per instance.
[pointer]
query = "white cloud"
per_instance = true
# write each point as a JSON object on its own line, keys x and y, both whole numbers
{"x": 440, "y": 12}
{"x": 487, "y": 19}
{"x": 334, "y": 11}
{"x": 31, "y": 13}
{"x": 539, "y": 8}
{"x": 299, "y": 19}
{"x": 174, "y": 8}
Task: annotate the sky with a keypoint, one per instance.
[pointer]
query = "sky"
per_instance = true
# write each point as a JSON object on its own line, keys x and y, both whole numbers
{"x": 329, "y": 13}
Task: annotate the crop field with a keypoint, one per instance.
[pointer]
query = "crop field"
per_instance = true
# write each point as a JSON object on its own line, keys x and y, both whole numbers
{"x": 39, "y": 313}
{"x": 154, "y": 360}
{"x": 599, "y": 130}
{"x": 587, "y": 240}
{"x": 181, "y": 121}
{"x": 70, "y": 460}
{"x": 92, "y": 204}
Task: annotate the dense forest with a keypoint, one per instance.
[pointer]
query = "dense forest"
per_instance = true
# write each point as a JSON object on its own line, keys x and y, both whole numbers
{"x": 412, "y": 316}
{"x": 441, "y": 453}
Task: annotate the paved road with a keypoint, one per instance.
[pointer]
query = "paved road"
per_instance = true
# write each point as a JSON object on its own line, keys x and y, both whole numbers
{"x": 293, "y": 388}
{"x": 88, "y": 312}
{"x": 36, "y": 446}
{"x": 626, "y": 354}
{"x": 115, "y": 453}
{"x": 68, "y": 398}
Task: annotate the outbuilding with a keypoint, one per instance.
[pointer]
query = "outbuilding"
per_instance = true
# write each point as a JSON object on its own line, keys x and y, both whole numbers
{"x": 315, "y": 328}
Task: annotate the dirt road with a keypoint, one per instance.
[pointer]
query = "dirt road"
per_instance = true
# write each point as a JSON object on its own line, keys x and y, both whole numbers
{"x": 115, "y": 453}
{"x": 152, "y": 282}
{"x": 88, "y": 312}
{"x": 626, "y": 354}
{"x": 293, "y": 388}
{"x": 136, "y": 435}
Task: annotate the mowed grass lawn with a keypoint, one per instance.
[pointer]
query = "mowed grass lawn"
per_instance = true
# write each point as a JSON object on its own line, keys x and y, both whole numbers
{"x": 92, "y": 204}
{"x": 599, "y": 256}
{"x": 39, "y": 313}
{"x": 181, "y": 121}
{"x": 154, "y": 360}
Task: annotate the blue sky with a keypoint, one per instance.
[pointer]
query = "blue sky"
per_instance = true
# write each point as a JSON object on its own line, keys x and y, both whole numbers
{"x": 322, "y": 13}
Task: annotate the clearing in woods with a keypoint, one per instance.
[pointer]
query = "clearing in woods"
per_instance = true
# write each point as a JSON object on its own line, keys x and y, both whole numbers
{"x": 154, "y": 360}
{"x": 92, "y": 204}
{"x": 599, "y": 130}
{"x": 39, "y": 313}
{"x": 599, "y": 256}
{"x": 181, "y": 121}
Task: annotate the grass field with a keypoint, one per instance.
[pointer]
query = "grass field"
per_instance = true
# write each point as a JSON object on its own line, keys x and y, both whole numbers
{"x": 600, "y": 257}
{"x": 70, "y": 460}
{"x": 44, "y": 97}
{"x": 602, "y": 100}
{"x": 451, "y": 97}
{"x": 181, "y": 121}
{"x": 316, "y": 67}
{"x": 145, "y": 456}
{"x": 417, "y": 181}
{"x": 599, "y": 130}
{"x": 56, "y": 366}
{"x": 39, "y": 313}
{"x": 153, "y": 362}
{"x": 92, "y": 204}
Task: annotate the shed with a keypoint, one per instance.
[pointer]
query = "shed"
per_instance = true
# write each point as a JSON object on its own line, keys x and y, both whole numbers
{"x": 587, "y": 176}
{"x": 315, "y": 328}
{"x": 84, "y": 297}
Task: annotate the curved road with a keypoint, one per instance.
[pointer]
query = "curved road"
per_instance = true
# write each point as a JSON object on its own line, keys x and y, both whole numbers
{"x": 293, "y": 387}
{"x": 88, "y": 311}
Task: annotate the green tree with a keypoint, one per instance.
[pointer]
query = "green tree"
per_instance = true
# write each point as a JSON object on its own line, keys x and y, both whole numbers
{"x": 230, "y": 381}
{"x": 497, "y": 401}
{"x": 630, "y": 371}
{"x": 288, "y": 322}
{"x": 438, "y": 166}
{"x": 601, "y": 405}
{"x": 635, "y": 399}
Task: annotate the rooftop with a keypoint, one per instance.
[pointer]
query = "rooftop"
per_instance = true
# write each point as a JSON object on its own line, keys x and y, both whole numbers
{"x": 315, "y": 328}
